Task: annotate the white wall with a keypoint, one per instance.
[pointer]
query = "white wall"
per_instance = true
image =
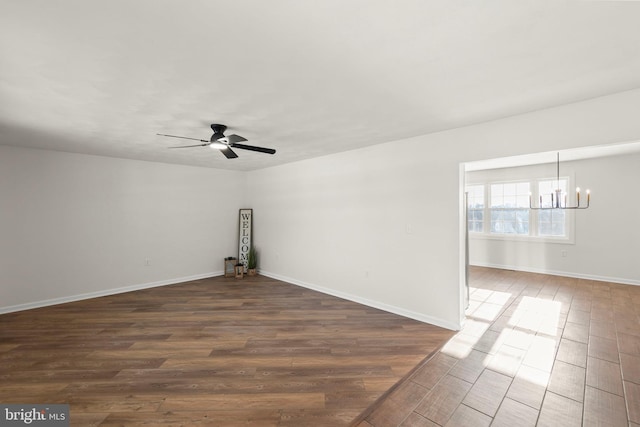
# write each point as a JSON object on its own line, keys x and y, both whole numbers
{"x": 356, "y": 225}
{"x": 393, "y": 210}
{"x": 606, "y": 242}
{"x": 74, "y": 225}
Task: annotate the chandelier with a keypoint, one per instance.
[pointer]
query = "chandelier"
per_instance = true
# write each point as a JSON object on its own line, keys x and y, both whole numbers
{"x": 560, "y": 199}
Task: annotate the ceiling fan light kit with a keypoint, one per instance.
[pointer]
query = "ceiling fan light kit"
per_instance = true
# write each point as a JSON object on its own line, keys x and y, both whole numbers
{"x": 222, "y": 143}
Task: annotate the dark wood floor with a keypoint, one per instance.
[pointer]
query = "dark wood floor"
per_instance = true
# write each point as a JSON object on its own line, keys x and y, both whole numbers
{"x": 219, "y": 351}
{"x": 536, "y": 350}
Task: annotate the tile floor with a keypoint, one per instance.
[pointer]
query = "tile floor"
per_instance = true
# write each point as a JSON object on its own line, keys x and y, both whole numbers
{"x": 536, "y": 350}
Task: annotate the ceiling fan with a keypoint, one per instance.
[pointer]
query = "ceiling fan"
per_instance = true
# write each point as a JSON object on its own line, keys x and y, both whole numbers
{"x": 223, "y": 143}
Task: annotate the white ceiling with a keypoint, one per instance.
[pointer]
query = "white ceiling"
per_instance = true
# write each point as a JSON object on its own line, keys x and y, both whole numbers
{"x": 305, "y": 77}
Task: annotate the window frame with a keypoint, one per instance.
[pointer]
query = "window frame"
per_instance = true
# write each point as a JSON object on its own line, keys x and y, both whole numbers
{"x": 483, "y": 209}
{"x": 538, "y": 182}
{"x": 533, "y": 236}
{"x": 516, "y": 208}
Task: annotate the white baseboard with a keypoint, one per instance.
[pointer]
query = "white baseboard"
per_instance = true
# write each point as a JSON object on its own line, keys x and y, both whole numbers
{"x": 364, "y": 301}
{"x": 620, "y": 280}
{"x": 369, "y": 303}
{"x": 106, "y": 292}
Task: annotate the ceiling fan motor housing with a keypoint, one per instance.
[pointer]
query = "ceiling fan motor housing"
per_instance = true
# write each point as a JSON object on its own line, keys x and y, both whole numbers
{"x": 218, "y": 132}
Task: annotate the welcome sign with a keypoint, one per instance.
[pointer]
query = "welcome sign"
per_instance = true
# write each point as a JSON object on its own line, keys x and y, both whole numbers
{"x": 244, "y": 240}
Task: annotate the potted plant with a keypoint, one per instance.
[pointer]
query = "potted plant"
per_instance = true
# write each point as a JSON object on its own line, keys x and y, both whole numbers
{"x": 252, "y": 261}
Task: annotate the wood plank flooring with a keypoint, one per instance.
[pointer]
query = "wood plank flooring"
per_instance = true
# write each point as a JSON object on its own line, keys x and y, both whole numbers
{"x": 219, "y": 351}
{"x": 536, "y": 350}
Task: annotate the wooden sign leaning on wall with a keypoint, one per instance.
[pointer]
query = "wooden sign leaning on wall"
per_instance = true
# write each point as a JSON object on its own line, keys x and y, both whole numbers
{"x": 244, "y": 238}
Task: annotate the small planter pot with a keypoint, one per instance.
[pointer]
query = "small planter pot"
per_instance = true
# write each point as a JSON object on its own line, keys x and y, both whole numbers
{"x": 252, "y": 272}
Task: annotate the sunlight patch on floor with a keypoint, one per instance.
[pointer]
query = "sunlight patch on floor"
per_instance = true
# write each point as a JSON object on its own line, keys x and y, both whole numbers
{"x": 531, "y": 312}
{"x": 519, "y": 340}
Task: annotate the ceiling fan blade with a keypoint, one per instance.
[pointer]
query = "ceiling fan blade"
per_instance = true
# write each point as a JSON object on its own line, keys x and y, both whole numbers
{"x": 189, "y": 146}
{"x": 231, "y": 139}
{"x": 254, "y": 148}
{"x": 228, "y": 153}
{"x": 182, "y": 137}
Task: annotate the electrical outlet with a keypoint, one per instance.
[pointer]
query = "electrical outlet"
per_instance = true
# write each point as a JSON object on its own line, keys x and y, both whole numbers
{"x": 147, "y": 262}
{"x": 563, "y": 253}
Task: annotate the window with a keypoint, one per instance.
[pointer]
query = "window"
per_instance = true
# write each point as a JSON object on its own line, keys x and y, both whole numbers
{"x": 551, "y": 222}
{"x": 510, "y": 208}
{"x": 475, "y": 208}
{"x": 500, "y": 209}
